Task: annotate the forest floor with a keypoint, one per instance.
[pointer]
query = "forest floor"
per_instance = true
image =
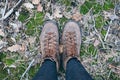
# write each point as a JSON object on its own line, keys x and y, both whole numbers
{"x": 21, "y": 22}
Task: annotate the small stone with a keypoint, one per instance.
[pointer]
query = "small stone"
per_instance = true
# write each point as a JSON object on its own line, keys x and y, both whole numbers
{"x": 96, "y": 43}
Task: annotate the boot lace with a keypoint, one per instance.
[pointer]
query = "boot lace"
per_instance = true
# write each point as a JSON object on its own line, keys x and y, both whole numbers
{"x": 50, "y": 46}
{"x": 70, "y": 43}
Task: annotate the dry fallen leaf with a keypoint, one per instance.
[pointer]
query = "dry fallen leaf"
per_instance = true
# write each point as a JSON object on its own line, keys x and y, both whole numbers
{"x": 77, "y": 16}
{"x": 39, "y": 8}
{"x": 67, "y": 15}
{"x": 108, "y": 15}
{"x": 57, "y": 13}
{"x": 28, "y": 5}
{"x": 35, "y": 1}
{"x": 14, "y": 48}
{"x": 23, "y": 47}
{"x": 2, "y": 33}
{"x": 32, "y": 40}
{"x": 2, "y": 44}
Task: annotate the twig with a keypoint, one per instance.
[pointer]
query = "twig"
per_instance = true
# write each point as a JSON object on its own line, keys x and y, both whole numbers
{"x": 10, "y": 11}
{"x": 17, "y": 4}
{"x": 112, "y": 66}
{"x": 109, "y": 74}
{"x": 107, "y": 33}
{"x": 27, "y": 69}
{"x": 8, "y": 14}
{"x": 5, "y": 8}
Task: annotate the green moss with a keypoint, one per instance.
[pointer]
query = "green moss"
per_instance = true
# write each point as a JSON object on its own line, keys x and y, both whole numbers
{"x": 2, "y": 56}
{"x": 17, "y": 38}
{"x": 62, "y": 22}
{"x": 92, "y": 50}
{"x": 108, "y": 5}
{"x": 3, "y": 72}
{"x": 103, "y": 32}
{"x": 30, "y": 27}
{"x": 82, "y": 50}
{"x": 17, "y": 72}
{"x": 34, "y": 23}
{"x": 99, "y": 22}
{"x": 86, "y": 7}
{"x": 66, "y": 2}
{"x": 24, "y": 14}
{"x": 68, "y": 9}
{"x": 94, "y": 62}
{"x": 88, "y": 50}
{"x": 97, "y": 8}
{"x": 39, "y": 18}
{"x": 110, "y": 60}
{"x": 9, "y": 61}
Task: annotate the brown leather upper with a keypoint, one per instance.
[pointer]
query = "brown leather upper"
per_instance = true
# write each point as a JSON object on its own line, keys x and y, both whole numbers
{"x": 71, "y": 39}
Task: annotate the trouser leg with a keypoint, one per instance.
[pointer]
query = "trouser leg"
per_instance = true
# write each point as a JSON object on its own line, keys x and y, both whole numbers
{"x": 47, "y": 71}
{"x": 76, "y": 71}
